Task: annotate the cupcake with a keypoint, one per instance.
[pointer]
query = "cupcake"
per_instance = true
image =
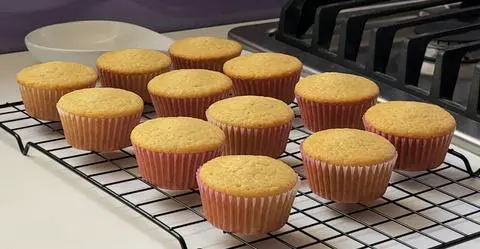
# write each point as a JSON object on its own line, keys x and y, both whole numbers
{"x": 421, "y": 132}
{"x": 170, "y": 150}
{"x": 348, "y": 165}
{"x": 42, "y": 85}
{"x": 334, "y": 100}
{"x": 203, "y": 52}
{"x": 264, "y": 74}
{"x": 132, "y": 69}
{"x": 247, "y": 194}
{"x": 253, "y": 125}
{"x": 99, "y": 119}
{"x": 187, "y": 92}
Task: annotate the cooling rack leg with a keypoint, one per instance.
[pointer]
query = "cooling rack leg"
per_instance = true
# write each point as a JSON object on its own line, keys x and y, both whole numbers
{"x": 16, "y": 136}
{"x": 465, "y": 162}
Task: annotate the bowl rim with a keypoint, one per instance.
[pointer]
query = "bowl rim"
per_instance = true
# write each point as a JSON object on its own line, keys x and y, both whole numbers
{"x": 28, "y": 37}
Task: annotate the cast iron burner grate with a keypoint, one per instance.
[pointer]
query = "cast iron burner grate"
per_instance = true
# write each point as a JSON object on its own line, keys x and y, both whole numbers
{"x": 375, "y": 39}
{"x": 434, "y": 209}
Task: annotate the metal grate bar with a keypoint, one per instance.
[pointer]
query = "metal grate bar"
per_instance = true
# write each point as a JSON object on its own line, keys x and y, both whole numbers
{"x": 382, "y": 37}
{"x": 33, "y": 125}
{"x": 163, "y": 199}
{"x": 361, "y": 40}
{"x": 353, "y": 27}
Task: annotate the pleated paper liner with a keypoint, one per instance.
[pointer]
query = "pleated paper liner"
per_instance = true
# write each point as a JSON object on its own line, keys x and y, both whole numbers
{"x": 246, "y": 215}
{"x": 212, "y": 64}
{"x": 136, "y": 83}
{"x": 318, "y": 116}
{"x": 417, "y": 154}
{"x": 186, "y": 107}
{"x": 348, "y": 184}
{"x": 42, "y": 103}
{"x": 281, "y": 88}
{"x": 254, "y": 141}
{"x": 98, "y": 134}
{"x": 174, "y": 171}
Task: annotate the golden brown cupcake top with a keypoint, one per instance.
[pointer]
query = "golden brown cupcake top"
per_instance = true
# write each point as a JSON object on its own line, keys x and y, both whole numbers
{"x": 244, "y": 175}
{"x": 348, "y": 147}
{"x": 250, "y": 112}
{"x": 189, "y": 83}
{"x": 57, "y": 75}
{"x": 205, "y": 47}
{"x": 336, "y": 88}
{"x": 101, "y": 103}
{"x": 177, "y": 135}
{"x": 410, "y": 119}
{"x": 262, "y": 65}
{"x": 134, "y": 60}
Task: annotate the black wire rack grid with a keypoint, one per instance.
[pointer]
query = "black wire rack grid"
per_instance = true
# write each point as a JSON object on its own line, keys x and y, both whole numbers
{"x": 438, "y": 208}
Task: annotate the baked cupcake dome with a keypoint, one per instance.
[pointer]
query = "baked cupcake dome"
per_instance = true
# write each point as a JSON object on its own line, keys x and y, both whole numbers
{"x": 264, "y": 74}
{"x": 253, "y": 125}
{"x": 132, "y": 69}
{"x": 247, "y": 194}
{"x": 99, "y": 119}
{"x": 421, "y": 132}
{"x": 169, "y": 150}
{"x": 42, "y": 85}
{"x": 203, "y": 52}
{"x": 348, "y": 165}
{"x": 188, "y": 92}
{"x": 335, "y": 100}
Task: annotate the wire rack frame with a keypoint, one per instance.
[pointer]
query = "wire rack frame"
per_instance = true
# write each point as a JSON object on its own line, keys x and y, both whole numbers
{"x": 436, "y": 209}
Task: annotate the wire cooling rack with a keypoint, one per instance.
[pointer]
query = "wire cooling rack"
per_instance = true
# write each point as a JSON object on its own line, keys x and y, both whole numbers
{"x": 433, "y": 209}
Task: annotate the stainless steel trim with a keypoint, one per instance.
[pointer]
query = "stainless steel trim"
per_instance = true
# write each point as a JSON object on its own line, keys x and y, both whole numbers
{"x": 382, "y": 5}
{"x": 466, "y": 142}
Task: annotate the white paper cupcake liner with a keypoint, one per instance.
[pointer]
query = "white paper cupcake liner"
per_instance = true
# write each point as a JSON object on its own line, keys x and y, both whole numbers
{"x": 321, "y": 116}
{"x": 246, "y": 215}
{"x": 417, "y": 154}
{"x": 42, "y": 103}
{"x": 186, "y": 107}
{"x": 136, "y": 83}
{"x": 254, "y": 141}
{"x": 98, "y": 134}
{"x": 348, "y": 184}
{"x": 280, "y": 88}
{"x": 172, "y": 170}
{"x": 214, "y": 65}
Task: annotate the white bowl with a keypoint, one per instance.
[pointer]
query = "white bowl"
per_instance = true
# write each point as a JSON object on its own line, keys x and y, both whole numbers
{"x": 84, "y": 41}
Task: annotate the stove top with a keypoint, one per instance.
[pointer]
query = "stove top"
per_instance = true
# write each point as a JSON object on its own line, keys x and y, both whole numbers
{"x": 415, "y": 50}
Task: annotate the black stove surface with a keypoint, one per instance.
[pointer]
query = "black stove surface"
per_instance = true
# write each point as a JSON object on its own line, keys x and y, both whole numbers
{"x": 392, "y": 79}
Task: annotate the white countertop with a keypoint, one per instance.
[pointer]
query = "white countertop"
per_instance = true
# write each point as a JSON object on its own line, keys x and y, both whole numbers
{"x": 43, "y": 205}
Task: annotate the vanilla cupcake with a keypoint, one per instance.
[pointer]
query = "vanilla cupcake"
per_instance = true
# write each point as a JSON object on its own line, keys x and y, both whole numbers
{"x": 253, "y": 125}
{"x": 203, "y": 52}
{"x": 188, "y": 92}
{"x": 132, "y": 69}
{"x": 247, "y": 194}
{"x": 42, "y": 85}
{"x": 264, "y": 74}
{"x": 170, "y": 150}
{"x": 335, "y": 100}
{"x": 99, "y": 119}
{"x": 348, "y": 165}
{"x": 421, "y": 132}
